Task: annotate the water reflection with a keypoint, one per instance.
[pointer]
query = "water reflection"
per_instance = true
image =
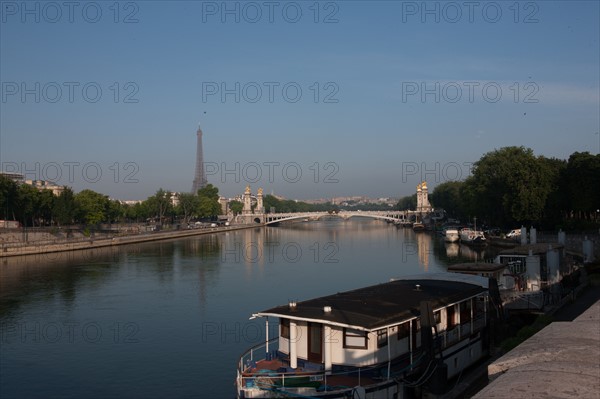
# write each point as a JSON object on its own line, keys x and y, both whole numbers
{"x": 190, "y": 300}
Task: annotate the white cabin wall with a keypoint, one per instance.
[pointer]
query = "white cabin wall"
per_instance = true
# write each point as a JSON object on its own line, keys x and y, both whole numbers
{"x": 347, "y": 356}
{"x": 284, "y": 345}
{"x": 533, "y": 272}
{"x": 302, "y": 336}
{"x": 457, "y": 362}
{"x": 371, "y": 355}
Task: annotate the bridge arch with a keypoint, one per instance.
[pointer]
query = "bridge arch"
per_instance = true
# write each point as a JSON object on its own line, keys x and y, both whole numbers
{"x": 394, "y": 216}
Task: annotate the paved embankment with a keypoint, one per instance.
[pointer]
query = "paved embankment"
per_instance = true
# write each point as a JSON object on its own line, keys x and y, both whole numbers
{"x": 560, "y": 361}
{"x": 34, "y": 248}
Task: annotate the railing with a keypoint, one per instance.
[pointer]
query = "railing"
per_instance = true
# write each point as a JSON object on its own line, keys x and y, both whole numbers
{"x": 275, "y": 380}
{"x": 456, "y": 333}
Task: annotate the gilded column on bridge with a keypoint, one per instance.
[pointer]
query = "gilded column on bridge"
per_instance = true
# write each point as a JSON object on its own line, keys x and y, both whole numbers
{"x": 247, "y": 209}
{"x": 259, "y": 202}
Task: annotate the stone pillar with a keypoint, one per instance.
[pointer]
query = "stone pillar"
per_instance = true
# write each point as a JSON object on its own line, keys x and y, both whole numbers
{"x": 532, "y": 264}
{"x": 425, "y": 197}
{"x": 419, "y": 198}
{"x": 562, "y": 239}
{"x": 532, "y": 235}
{"x": 259, "y": 202}
{"x": 588, "y": 250}
{"x": 553, "y": 265}
{"x": 293, "y": 345}
{"x": 523, "y": 235}
{"x": 247, "y": 202}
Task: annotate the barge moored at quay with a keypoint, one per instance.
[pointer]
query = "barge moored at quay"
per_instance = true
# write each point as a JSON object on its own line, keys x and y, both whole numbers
{"x": 382, "y": 341}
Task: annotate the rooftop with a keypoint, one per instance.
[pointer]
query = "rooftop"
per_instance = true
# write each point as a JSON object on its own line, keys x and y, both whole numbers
{"x": 536, "y": 249}
{"x": 380, "y": 305}
{"x": 476, "y": 267}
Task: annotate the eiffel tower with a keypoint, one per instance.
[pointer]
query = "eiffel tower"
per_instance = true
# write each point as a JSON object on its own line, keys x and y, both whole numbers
{"x": 200, "y": 176}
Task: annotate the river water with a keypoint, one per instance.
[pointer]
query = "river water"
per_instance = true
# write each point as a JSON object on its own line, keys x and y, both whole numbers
{"x": 171, "y": 318}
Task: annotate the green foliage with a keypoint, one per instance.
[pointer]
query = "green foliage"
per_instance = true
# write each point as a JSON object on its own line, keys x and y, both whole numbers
{"x": 408, "y": 203}
{"x": 92, "y": 207}
{"x": 64, "y": 207}
{"x": 208, "y": 201}
{"x": 27, "y": 200}
{"x": 236, "y": 207}
{"x": 448, "y": 197}
{"x": 511, "y": 185}
{"x": 188, "y": 205}
{"x": 159, "y": 204}
{"x": 581, "y": 182}
{"x": 8, "y": 196}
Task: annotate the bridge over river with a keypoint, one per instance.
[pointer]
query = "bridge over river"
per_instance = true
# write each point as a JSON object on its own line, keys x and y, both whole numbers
{"x": 392, "y": 216}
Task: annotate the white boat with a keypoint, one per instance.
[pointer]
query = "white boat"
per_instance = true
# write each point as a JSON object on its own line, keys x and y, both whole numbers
{"x": 472, "y": 237}
{"x": 374, "y": 342}
{"x": 451, "y": 235}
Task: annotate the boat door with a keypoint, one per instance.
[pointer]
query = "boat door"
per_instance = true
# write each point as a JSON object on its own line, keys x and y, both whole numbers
{"x": 315, "y": 342}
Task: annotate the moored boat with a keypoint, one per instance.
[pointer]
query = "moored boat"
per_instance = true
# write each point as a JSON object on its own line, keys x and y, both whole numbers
{"x": 376, "y": 341}
{"x": 472, "y": 237}
{"x": 451, "y": 235}
{"x": 418, "y": 226}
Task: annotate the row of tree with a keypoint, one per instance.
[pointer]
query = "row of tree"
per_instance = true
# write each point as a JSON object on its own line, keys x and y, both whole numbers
{"x": 33, "y": 207}
{"x": 511, "y": 186}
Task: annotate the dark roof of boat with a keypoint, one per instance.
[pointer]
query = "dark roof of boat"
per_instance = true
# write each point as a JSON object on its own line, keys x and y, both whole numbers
{"x": 476, "y": 267}
{"x": 378, "y": 305}
{"x": 536, "y": 249}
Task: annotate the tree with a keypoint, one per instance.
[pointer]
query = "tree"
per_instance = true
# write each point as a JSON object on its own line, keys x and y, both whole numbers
{"x": 447, "y": 196}
{"x": 45, "y": 205}
{"x": 8, "y": 197}
{"x": 508, "y": 185}
{"x": 91, "y": 207}
{"x": 208, "y": 201}
{"x": 188, "y": 203}
{"x": 160, "y": 204}
{"x": 408, "y": 202}
{"x": 581, "y": 184}
{"x": 26, "y": 203}
{"x": 64, "y": 207}
{"x": 237, "y": 207}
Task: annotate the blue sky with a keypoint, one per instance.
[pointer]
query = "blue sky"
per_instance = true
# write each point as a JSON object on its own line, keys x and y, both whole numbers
{"x": 379, "y": 107}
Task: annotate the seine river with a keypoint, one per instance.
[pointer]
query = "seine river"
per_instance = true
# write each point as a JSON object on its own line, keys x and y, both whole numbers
{"x": 171, "y": 318}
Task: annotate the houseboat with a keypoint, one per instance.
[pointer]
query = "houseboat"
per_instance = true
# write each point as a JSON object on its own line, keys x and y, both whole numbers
{"x": 381, "y": 341}
{"x": 528, "y": 276}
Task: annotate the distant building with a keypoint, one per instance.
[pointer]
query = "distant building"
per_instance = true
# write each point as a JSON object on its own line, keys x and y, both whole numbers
{"x": 19, "y": 178}
{"x": 46, "y": 185}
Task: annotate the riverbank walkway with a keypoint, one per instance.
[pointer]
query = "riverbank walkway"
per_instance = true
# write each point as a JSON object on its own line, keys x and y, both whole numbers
{"x": 43, "y": 247}
{"x": 560, "y": 361}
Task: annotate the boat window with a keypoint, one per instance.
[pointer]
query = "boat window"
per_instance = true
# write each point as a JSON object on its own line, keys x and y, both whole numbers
{"x": 403, "y": 330}
{"x": 354, "y": 339}
{"x": 416, "y": 324}
{"x": 382, "y": 340}
{"x": 465, "y": 311}
{"x": 284, "y": 325}
{"x": 451, "y": 316}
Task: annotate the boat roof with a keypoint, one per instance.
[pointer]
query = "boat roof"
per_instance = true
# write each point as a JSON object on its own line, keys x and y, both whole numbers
{"x": 476, "y": 267}
{"x": 535, "y": 249}
{"x": 382, "y": 305}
